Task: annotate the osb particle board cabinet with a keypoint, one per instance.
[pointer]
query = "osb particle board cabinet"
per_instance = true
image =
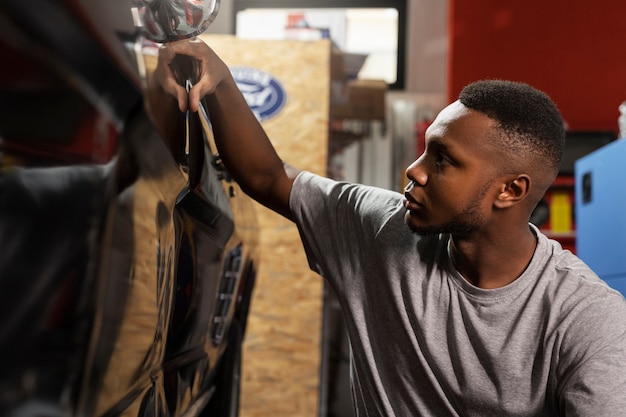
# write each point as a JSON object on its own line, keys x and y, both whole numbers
{"x": 281, "y": 367}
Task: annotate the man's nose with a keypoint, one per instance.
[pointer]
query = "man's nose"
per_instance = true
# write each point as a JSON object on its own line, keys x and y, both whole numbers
{"x": 416, "y": 172}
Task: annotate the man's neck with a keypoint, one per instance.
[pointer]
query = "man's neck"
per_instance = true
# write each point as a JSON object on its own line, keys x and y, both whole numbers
{"x": 493, "y": 263}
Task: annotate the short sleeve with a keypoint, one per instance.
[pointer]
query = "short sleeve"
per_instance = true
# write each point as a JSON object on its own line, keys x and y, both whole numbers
{"x": 332, "y": 216}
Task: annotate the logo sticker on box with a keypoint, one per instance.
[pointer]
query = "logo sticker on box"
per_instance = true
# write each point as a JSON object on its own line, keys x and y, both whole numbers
{"x": 264, "y": 94}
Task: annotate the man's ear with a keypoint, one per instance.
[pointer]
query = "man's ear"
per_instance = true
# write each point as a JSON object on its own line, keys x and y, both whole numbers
{"x": 512, "y": 191}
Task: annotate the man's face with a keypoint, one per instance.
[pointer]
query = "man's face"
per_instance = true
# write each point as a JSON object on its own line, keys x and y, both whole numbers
{"x": 451, "y": 186}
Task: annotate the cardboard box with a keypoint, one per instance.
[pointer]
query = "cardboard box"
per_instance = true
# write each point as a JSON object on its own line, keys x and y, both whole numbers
{"x": 337, "y": 67}
{"x": 358, "y": 99}
{"x": 345, "y": 66}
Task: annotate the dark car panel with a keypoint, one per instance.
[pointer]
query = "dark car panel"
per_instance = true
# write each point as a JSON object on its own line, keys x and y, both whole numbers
{"x": 128, "y": 255}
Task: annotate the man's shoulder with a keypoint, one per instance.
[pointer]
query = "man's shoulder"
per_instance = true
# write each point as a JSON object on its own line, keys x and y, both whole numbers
{"x": 587, "y": 284}
{"x": 565, "y": 269}
{"x": 308, "y": 182}
{"x": 572, "y": 288}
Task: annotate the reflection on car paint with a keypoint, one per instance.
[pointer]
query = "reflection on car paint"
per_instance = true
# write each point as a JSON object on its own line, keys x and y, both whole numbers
{"x": 125, "y": 283}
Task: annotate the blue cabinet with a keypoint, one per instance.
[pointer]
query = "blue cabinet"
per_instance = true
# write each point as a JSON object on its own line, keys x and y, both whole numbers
{"x": 600, "y": 212}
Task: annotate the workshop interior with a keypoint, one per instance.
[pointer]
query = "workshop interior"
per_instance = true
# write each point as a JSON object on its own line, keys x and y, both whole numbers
{"x": 137, "y": 278}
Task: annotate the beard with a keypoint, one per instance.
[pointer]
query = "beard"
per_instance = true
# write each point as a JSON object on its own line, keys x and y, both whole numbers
{"x": 463, "y": 225}
{"x": 455, "y": 228}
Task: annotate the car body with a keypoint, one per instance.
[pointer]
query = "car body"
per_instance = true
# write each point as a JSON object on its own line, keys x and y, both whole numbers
{"x": 128, "y": 255}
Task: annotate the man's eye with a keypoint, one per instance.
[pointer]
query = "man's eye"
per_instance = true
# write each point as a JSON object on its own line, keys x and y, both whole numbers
{"x": 440, "y": 159}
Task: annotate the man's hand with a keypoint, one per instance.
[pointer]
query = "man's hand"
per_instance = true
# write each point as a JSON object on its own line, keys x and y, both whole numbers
{"x": 242, "y": 143}
{"x": 211, "y": 72}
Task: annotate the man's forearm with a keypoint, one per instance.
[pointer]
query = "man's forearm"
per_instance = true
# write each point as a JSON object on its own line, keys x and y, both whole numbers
{"x": 246, "y": 150}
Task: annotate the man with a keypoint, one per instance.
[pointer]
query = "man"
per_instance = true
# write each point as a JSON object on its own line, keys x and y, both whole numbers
{"x": 470, "y": 310}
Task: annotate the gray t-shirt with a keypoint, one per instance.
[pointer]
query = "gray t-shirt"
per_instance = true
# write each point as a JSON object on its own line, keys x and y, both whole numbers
{"x": 425, "y": 342}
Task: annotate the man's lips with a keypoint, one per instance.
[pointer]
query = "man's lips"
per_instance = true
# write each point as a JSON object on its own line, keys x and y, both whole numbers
{"x": 410, "y": 203}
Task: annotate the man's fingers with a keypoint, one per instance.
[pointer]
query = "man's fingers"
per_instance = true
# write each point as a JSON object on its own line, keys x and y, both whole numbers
{"x": 207, "y": 83}
{"x": 191, "y": 47}
{"x": 169, "y": 85}
{"x": 183, "y": 100}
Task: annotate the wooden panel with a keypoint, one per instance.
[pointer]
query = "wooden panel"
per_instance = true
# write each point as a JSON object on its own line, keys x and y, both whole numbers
{"x": 282, "y": 347}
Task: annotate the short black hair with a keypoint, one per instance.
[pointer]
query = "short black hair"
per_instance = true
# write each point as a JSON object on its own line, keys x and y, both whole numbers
{"x": 531, "y": 122}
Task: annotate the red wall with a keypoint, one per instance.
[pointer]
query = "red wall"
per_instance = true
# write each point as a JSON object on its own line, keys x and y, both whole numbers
{"x": 573, "y": 50}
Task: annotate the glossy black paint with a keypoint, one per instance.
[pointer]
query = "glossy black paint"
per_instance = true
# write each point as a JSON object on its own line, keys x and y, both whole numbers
{"x": 126, "y": 267}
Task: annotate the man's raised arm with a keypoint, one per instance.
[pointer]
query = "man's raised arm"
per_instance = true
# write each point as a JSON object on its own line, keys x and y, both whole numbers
{"x": 243, "y": 145}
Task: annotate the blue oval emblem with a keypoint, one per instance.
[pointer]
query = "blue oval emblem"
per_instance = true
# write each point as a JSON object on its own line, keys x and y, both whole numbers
{"x": 264, "y": 94}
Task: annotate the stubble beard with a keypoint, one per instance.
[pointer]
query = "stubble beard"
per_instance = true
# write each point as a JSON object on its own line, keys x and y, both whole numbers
{"x": 464, "y": 225}
{"x": 461, "y": 229}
